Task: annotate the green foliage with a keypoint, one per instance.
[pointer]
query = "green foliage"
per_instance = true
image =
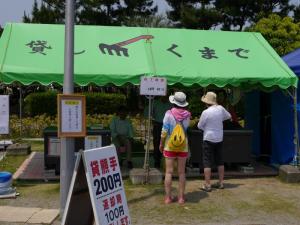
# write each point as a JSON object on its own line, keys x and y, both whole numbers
{"x": 283, "y": 34}
{"x": 237, "y": 13}
{"x": 91, "y": 12}
{"x": 50, "y": 12}
{"x": 46, "y": 103}
{"x": 196, "y": 106}
{"x": 148, "y": 21}
{"x": 200, "y": 18}
{"x": 229, "y": 15}
{"x": 33, "y": 127}
{"x": 297, "y": 14}
{"x": 194, "y": 14}
{"x": 41, "y": 102}
{"x": 103, "y": 102}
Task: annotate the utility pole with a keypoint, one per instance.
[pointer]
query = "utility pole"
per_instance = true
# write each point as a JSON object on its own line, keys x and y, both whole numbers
{"x": 67, "y": 158}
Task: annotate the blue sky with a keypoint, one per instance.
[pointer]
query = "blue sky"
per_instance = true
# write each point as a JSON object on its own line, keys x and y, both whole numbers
{"x": 13, "y": 10}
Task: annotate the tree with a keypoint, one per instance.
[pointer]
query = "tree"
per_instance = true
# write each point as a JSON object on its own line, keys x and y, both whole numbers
{"x": 229, "y": 15}
{"x": 137, "y": 8}
{"x": 194, "y": 14}
{"x": 91, "y": 12}
{"x": 283, "y": 34}
{"x": 1, "y": 30}
{"x": 297, "y": 14}
{"x": 239, "y": 13}
{"x": 149, "y": 21}
{"x": 50, "y": 11}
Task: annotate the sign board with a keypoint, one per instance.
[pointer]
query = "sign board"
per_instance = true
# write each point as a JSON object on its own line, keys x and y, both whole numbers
{"x": 4, "y": 114}
{"x": 97, "y": 185}
{"x": 71, "y": 115}
{"x": 93, "y": 141}
{"x": 153, "y": 86}
{"x": 54, "y": 146}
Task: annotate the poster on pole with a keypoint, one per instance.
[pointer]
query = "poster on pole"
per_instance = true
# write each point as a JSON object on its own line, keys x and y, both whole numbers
{"x": 156, "y": 86}
{"x": 4, "y": 114}
{"x": 71, "y": 115}
{"x": 97, "y": 189}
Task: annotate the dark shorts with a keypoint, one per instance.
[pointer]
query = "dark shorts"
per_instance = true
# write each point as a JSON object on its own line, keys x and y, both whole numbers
{"x": 212, "y": 154}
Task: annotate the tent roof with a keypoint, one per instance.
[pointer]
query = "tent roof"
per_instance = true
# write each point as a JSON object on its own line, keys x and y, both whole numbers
{"x": 104, "y": 55}
{"x": 293, "y": 61}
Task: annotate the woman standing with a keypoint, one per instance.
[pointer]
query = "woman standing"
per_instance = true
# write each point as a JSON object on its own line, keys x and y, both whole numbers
{"x": 174, "y": 144}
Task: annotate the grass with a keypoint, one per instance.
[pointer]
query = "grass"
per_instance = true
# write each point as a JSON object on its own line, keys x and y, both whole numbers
{"x": 36, "y": 146}
{"x": 12, "y": 163}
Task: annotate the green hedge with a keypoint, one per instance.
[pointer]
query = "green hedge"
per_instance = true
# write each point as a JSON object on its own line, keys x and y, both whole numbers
{"x": 104, "y": 103}
{"x": 40, "y": 103}
{"x": 96, "y": 103}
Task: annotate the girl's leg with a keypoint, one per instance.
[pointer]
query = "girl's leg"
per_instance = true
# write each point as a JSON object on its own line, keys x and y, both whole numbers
{"x": 181, "y": 174}
{"x": 168, "y": 176}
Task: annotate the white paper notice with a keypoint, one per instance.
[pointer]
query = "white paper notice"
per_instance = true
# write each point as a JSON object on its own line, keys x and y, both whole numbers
{"x": 153, "y": 86}
{"x": 4, "y": 114}
{"x": 71, "y": 115}
{"x": 93, "y": 141}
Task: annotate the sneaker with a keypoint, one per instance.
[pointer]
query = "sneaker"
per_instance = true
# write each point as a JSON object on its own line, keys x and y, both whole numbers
{"x": 206, "y": 188}
{"x": 218, "y": 185}
{"x": 129, "y": 165}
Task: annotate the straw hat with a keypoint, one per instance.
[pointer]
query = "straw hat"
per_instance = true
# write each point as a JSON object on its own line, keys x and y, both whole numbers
{"x": 179, "y": 99}
{"x": 209, "y": 98}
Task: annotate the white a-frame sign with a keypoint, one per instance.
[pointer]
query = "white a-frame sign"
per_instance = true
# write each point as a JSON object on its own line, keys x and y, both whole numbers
{"x": 96, "y": 194}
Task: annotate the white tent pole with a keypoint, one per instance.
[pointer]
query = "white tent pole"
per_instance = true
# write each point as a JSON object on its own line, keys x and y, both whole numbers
{"x": 146, "y": 160}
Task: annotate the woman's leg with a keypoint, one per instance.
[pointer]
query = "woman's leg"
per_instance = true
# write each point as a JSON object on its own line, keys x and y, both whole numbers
{"x": 168, "y": 176}
{"x": 181, "y": 174}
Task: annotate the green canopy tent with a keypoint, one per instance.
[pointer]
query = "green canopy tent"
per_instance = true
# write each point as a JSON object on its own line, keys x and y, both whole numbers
{"x": 104, "y": 55}
{"x": 35, "y": 53}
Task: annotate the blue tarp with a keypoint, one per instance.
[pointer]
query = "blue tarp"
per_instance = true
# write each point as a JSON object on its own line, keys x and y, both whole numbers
{"x": 283, "y": 117}
{"x": 293, "y": 61}
{"x": 252, "y": 119}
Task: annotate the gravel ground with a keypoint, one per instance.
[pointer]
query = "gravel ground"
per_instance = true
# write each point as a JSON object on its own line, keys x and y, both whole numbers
{"x": 257, "y": 201}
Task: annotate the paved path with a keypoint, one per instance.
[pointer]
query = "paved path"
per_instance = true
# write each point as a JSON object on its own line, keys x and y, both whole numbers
{"x": 33, "y": 169}
{"x": 24, "y": 215}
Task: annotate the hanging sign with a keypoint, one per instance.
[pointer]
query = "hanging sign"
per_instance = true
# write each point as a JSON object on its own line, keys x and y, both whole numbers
{"x": 153, "y": 86}
{"x": 71, "y": 115}
{"x": 97, "y": 189}
{"x": 4, "y": 114}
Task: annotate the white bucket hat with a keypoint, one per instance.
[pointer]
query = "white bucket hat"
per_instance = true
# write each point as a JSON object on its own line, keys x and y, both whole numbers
{"x": 179, "y": 99}
{"x": 209, "y": 98}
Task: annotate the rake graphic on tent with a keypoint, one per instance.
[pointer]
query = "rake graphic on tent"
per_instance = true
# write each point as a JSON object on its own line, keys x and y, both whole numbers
{"x": 118, "y": 47}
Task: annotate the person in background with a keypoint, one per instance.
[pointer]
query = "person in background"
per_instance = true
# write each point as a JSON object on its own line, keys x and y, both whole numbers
{"x": 178, "y": 115}
{"x": 211, "y": 122}
{"x": 160, "y": 106}
{"x": 122, "y": 135}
